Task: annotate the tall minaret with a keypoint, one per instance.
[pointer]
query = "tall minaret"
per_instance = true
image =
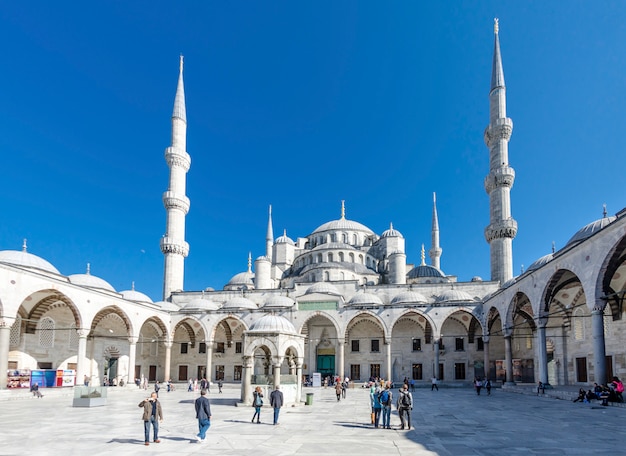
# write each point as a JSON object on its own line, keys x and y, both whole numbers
{"x": 269, "y": 237}
{"x": 435, "y": 249}
{"x": 502, "y": 227}
{"x": 176, "y": 203}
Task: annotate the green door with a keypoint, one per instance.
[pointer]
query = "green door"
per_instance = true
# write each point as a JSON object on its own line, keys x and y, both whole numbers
{"x": 326, "y": 365}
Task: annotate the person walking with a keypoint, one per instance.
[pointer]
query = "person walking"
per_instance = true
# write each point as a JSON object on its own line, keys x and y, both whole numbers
{"x": 404, "y": 406}
{"x": 377, "y": 406}
{"x": 488, "y": 387}
{"x": 386, "y": 398}
{"x": 434, "y": 382}
{"x": 344, "y": 387}
{"x": 338, "y": 389}
{"x": 190, "y": 386}
{"x": 478, "y": 384}
{"x": 276, "y": 401}
{"x": 219, "y": 386}
{"x": 257, "y": 403}
{"x": 152, "y": 414}
{"x": 203, "y": 414}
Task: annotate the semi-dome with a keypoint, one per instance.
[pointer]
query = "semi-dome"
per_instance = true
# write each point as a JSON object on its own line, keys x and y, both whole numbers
{"x": 365, "y": 299}
{"x": 134, "y": 295}
{"x": 540, "y": 262}
{"x": 590, "y": 229}
{"x": 279, "y": 302}
{"x": 454, "y": 296}
{"x": 425, "y": 270}
{"x": 391, "y": 232}
{"x": 324, "y": 288}
{"x": 90, "y": 281}
{"x": 409, "y": 297}
{"x": 27, "y": 260}
{"x": 200, "y": 305}
{"x": 240, "y": 303}
{"x": 273, "y": 323}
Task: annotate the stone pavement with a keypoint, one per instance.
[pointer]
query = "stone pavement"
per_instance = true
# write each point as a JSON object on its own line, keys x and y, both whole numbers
{"x": 452, "y": 421}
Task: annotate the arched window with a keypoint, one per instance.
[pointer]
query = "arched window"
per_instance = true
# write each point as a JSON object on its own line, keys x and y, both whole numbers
{"x": 361, "y": 259}
{"x": 342, "y": 276}
{"x": 330, "y": 257}
{"x": 333, "y": 237}
{"x": 355, "y": 239}
{"x": 345, "y": 238}
{"x": 16, "y": 332}
{"x": 341, "y": 257}
{"x": 319, "y": 257}
{"x": 46, "y": 332}
{"x": 327, "y": 276}
{"x": 351, "y": 257}
{"x": 73, "y": 337}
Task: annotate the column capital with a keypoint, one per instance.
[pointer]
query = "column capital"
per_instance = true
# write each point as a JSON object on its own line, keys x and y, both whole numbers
{"x": 83, "y": 333}
{"x": 133, "y": 340}
{"x": 485, "y": 339}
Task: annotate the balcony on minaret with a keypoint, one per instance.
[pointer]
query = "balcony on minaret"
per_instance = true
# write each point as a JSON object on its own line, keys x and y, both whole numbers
{"x": 499, "y": 130}
{"x": 501, "y": 229}
{"x": 176, "y": 246}
{"x": 503, "y": 176}
{"x": 172, "y": 200}
{"x": 177, "y": 157}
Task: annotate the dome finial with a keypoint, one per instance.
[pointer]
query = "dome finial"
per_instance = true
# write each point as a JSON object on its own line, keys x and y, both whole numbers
{"x": 249, "y": 261}
{"x": 132, "y": 285}
{"x": 496, "y": 26}
{"x": 343, "y": 209}
{"x": 24, "y": 248}
{"x": 391, "y": 226}
{"x": 285, "y": 232}
{"x": 604, "y": 214}
{"x": 423, "y": 255}
{"x": 553, "y": 247}
{"x": 181, "y": 62}
{"x": 88, "y": 272}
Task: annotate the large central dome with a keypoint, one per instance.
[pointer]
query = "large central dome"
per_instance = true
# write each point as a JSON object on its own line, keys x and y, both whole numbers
{"x": 341, "y": 225}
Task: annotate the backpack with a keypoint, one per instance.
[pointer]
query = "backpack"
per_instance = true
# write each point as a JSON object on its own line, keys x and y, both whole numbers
{"x": 620, "y": 387}
{"x": 384, "y": 398}
{"x": 405, "y": 401}
{"x": 258, "y": 402}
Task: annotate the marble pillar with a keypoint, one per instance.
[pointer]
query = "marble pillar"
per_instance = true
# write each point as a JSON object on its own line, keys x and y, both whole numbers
{"x": 599, "y": 349}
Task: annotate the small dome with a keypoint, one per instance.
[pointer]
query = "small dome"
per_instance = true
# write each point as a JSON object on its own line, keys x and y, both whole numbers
{"x": 324, "y": 288}
{"x": 425, "y": 270}
{"x": 509, "y": 282}
{"x": 540, "y": 262}
{"x": 273, "y": 323}
{"x": 88, "y": 280}
{"x": 240, "y": 303}
{"x": 391, "y": 232}
{"x": 200, "y": 305}
{"x": 243, "y": 278}
{"x": 591, "y": 229}
{"x": 476, "y": 279}
{"x": 409, "y": 297}
{"x": 284, "y": 239}
{"x": 365, "y": 299}
{"x": 133, "y": 295}
{"x": 27, "y": 260}
{"x": 167, "y": 306}
{"x": 454, "y": 296}
{"x": 262, "y": 258}
{"x": 279, "y": 302}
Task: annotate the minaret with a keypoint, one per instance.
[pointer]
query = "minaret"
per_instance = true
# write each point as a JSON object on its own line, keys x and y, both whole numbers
{"x": 502, "y": 227}
{"x": 176, "y": 203}
{"x": 435, "y": 249}
{"x": 269, "y": 237}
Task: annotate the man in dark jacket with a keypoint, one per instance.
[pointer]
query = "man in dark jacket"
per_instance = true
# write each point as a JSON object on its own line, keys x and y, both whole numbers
{"x": 203, "y": 413}
{"x": 152, "y": 414}
{"x": 276, "y": 401}
{"x": 404, "y": 406}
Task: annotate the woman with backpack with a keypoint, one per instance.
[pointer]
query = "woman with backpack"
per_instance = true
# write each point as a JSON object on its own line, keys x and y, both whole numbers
{"x": 385, "y": 400}
{"x": 405, "y": 405}
{"x": 257, "y": 403}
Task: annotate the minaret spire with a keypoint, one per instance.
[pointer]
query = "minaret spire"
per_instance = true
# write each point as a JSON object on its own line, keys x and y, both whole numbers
{"x": 502, "y": 227}
{"x": 423, "y": 256}
{"x": 435, "y": 249}
{"x": 176, "y": 203}
{"x": 269, "y": 237}
{"x": 249, "y": 261}
{"x": 343, "y": 209}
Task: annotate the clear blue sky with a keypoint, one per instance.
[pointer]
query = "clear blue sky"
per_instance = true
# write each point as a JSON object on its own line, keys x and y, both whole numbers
{"x": 301, "y": 105}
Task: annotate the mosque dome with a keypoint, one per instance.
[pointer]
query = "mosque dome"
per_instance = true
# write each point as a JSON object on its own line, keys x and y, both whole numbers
{"x": 284, "y": 239}
{"x": 365, "y": 299}
{"x": 425, "y": 270}
{"x": 454, "y": 296}
{"x": 409, "y": 297}
{"x": 273, "y": 323}
{"x": 591, "y": 229}
{"x": 27, "y": 260}
{"x": 278, "y": 302}
{"x": 200, "y": 305}
{"x": 133, "y": 295}
{"x": 324, "y": 288}
{"x": 342, "y": 224}
{"x": 243, "y": 278}
{"x": 391, "y": 232}
{"x": 240, "y": 303}
{"x": 90, "y": 281}
{"x": 540, "y": 262}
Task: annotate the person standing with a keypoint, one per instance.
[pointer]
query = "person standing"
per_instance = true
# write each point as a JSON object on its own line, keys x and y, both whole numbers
{"x": 276, "y": 401}
{"x": 152, "y": 414}
{"x": 257, "y": 403}
{"x": 219, "y": 386}
{"x": 386, "y": 398}
{"x": 203, "y": 414}
{"x": 404, "y": 406}
{"x": 478, "y": 384}
{"x": 377, "y": 406}
{"x": 488, "y": 387}
{"x": 344, "y": 387}
{"x": 157, "y": 387}
{"x": 434, "y": 382}
{"x": 338, "y": 389}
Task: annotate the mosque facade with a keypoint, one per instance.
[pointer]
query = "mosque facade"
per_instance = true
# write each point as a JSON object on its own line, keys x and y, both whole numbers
{"x": 341, "y": 300}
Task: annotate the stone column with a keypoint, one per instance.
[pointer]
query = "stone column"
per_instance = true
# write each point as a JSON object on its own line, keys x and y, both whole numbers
{"x": 246, "y": 386}
{"x": 209, "y": 360}
{"x": 168, "y": 360}
{"x": 82, "y": 367}
{"x": 564, "y": 361}
{"x": 299, "y": 362}
{"x": 436, "y": 361}
{"x": 276, "y": 372}
{"x": 508, "y": 359}
{"x": 5, "y": 340}
{"x": 388, "y": 359}
{"x": 132, "y": 355}
{"x": 486, "y": 356}
{"x": 341, "y": 360}
{"x": 599, "y": 350}
{"x": 542, "y": 353}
